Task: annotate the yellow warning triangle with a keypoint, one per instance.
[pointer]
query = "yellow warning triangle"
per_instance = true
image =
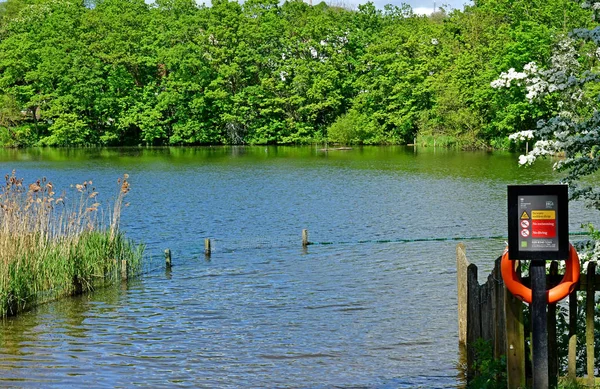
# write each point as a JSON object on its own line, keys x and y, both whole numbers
{"x": 524, "y": 215}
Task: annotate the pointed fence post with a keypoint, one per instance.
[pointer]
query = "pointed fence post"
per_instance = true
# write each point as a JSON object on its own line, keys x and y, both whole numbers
{"x": 461, "y": 277}
{"x": 498, "y": 308}
{"x": 589, "y": 322}
{"x": 551, "y": 327}
{"x": 473, "y": 317}
{"x": 572, "y": 356}
{"x": 515, "y": 339}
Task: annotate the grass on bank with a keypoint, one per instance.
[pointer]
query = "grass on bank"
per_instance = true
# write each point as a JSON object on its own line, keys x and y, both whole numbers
{"x": 54, "y": 246}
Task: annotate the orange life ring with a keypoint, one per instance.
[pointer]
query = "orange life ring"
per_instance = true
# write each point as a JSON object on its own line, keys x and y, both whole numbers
{"x": 559, "y": 292}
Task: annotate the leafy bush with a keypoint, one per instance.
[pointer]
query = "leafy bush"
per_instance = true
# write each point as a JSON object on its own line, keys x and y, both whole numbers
{"x": 490, "y": 373}
{"x": 351, "y": 128}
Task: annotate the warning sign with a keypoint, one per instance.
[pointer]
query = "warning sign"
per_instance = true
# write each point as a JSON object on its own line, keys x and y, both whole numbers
{"x": 538, "y": 226}
{"x": 543, "y": 223}
{"x": 543, "y": 229}
{"x": 543, "y": 215}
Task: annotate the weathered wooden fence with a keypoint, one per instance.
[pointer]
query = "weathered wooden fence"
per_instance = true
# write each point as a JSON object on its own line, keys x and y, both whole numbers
{"x": 490, "y": 312}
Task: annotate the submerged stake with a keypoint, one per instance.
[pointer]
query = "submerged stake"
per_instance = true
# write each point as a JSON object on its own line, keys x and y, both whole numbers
{"x": 168, "y": 258}
{"x": 207, "y": 250}
{"x": 304, "y": 238}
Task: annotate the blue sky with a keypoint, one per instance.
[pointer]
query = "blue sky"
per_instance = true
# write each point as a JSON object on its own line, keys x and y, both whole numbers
{"x": 425, "y": 6}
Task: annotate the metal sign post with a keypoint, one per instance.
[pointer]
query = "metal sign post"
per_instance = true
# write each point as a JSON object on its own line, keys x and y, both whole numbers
{"x": 538, "y": 230}
{"x": 539, "y": 325}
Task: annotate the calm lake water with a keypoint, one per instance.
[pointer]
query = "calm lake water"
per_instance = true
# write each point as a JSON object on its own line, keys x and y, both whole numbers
{"x": 365, "y": 310}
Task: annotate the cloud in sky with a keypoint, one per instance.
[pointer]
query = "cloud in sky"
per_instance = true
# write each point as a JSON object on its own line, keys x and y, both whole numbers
{"x": 423, "y": 10}
{"x": 422, "y": 6}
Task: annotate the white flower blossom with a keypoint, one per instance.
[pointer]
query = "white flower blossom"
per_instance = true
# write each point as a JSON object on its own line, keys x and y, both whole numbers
{"x": 554, "y": 79}
{"x": 521, "y": 135}
{"x": 575, "y": 131}
{"x": 530, "y": 68}
{"x": 526, "y": 159}
{"x": 434, "y": 41}
{"x": 505, "y": 78}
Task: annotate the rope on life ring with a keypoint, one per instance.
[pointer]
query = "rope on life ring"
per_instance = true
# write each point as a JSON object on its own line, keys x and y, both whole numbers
{"x": 559, "y": 292}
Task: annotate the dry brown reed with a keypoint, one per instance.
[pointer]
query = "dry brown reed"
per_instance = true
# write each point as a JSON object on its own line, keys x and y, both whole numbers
{"x": 54, "y": 245}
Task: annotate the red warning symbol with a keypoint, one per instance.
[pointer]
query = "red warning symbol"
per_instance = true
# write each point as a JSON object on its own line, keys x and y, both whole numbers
{"x": 524, "y": 233}
{"x": 524, "y": 223}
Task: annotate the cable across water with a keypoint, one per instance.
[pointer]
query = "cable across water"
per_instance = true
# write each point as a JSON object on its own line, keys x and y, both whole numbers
{"x": 454, "y": 238}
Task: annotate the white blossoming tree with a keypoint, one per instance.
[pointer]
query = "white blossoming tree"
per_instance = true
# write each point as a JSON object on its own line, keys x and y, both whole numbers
{"x": 569, "y": 84}
{"x": 567, "y": 87}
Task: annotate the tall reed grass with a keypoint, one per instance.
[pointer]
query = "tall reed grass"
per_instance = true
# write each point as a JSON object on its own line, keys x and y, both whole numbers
{"x": 53, "y": 245}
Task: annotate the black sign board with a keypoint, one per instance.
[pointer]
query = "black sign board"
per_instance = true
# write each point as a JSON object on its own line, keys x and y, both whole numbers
{"x": 538, "y": 224}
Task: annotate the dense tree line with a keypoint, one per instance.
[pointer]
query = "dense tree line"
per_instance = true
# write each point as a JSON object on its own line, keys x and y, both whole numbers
{"x": 116, "y": 72}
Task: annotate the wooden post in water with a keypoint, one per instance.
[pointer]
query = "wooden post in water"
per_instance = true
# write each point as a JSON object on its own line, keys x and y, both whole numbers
{"x": 124, "y": 270}
{"x": 461, "y": 282}
{"x": 207, "y": 249}
{"x": 473, "y": 317}
{"x": 305, "y": 238}
{"x": 168, "y": 259}
{"x": 589, "y": 322}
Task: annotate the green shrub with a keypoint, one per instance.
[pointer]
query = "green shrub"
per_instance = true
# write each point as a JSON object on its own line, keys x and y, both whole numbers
{"x": 490, "y": 373}
{"x": 351, "y": 128}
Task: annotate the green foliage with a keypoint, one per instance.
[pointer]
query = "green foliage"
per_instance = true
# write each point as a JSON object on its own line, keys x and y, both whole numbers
{"x": 118, "y": 72}
{"x": 66, "y": 130}
{"x": 490, "y": 373}
{"x": 351, "y": 128}
{"x": 17, "y": 136}
{"x": 570, "y": 384}
{"x": 436, "y": 141}
{"x": 501, "y": 143}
